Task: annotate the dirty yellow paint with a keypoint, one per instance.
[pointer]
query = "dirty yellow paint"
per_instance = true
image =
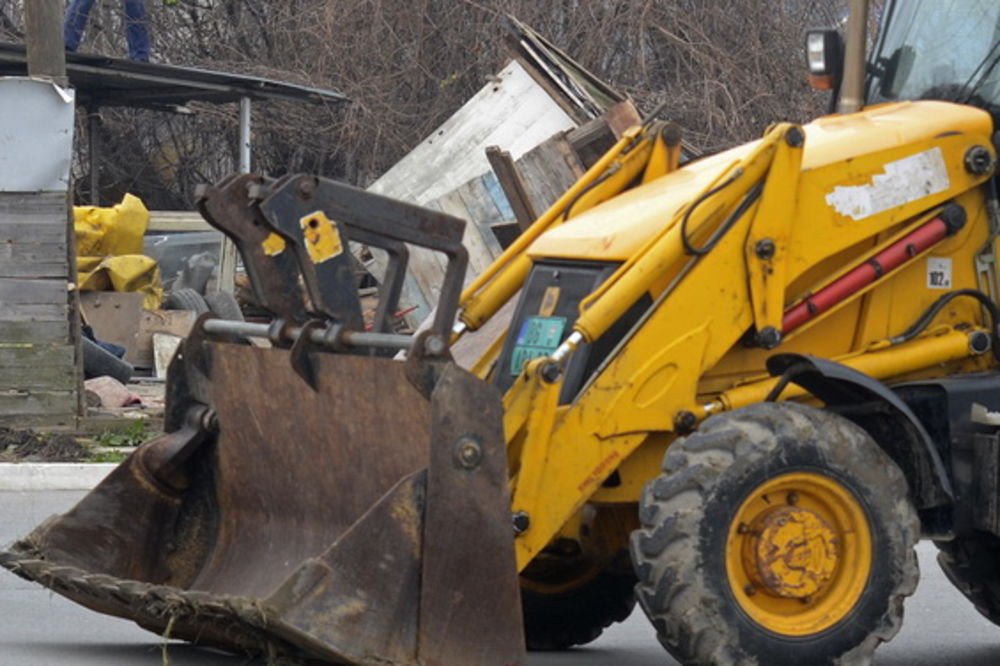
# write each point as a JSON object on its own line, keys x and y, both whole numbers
{"x": 322, "y": 238}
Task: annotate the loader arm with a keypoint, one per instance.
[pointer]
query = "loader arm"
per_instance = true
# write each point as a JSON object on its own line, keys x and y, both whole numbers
{"x": 722, "y": 271}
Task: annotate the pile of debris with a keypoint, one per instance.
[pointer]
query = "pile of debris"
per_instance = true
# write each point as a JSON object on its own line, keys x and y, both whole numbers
{"x": 28, "y": 446}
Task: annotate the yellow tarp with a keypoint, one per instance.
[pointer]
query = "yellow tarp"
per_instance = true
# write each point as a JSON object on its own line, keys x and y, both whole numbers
{"x": 109, "y": 250}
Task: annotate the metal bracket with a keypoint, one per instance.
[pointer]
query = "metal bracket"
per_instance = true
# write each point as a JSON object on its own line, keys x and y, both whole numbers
{"x": 300, "y": 357}
{"x": 381, "y": 222}
{"x": 272, "y": 270}
{"x": 987, "y": 277}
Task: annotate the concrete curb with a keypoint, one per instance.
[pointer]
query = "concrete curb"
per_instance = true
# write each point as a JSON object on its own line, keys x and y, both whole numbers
{"x": 52, "y": 476}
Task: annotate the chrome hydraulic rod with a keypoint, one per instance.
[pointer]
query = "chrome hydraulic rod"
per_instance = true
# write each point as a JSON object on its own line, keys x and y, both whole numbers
{"x": 331, "y": 336}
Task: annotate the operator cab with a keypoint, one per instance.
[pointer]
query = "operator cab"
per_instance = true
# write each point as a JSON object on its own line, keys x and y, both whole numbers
{"x": 926, "y": 49}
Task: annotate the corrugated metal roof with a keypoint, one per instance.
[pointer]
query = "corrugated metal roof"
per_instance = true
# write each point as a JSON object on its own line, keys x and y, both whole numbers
{"x": 103, "y": 81}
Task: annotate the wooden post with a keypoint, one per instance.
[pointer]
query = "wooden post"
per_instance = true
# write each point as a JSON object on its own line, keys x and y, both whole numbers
{"x": 512, "y": 185}
{"x": 43, "y": 21}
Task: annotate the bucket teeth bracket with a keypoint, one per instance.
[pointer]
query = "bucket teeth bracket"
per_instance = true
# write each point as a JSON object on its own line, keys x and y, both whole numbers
{"x": 273, "y": 272}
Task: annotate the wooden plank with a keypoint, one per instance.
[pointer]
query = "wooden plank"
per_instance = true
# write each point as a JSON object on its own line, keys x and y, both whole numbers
{"x": 45, "y": 49}
{"x": 34, "y": 312}
{"x": 39, "y": 208}
{"x": 44, "y": 378}
{"x": 28, "y": 251}
{"x": 512, "y": 184}
{"x": 17, "y": 291}
{"x": 35, "y": 356}
{"x": 175, "y": 322}
{"x": 492, "y": 186}
{"x": 592, "y": 140}
{"x": 36, "y": 332}
{"x": 547, "y": 172}
{"x": 511, "y": 111}
{"x": 45, "y": 270}
{"x": 31, "y": 259}
{"x": 480, "y": 255}
{"x": 621, "y": 117}
{"x": 171, "y": 220}
{"x": 26, "y": 232}
{"x": 31, "y": 402}
{"x": 114, "y": 317}
{"x": 482, "y": 210}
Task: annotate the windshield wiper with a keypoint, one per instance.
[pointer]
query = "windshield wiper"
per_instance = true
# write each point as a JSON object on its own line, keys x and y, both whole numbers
{"x": 993, "y": 58}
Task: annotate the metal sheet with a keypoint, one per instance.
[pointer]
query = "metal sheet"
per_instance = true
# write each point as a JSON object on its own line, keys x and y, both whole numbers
{"x": 36, "y": 135}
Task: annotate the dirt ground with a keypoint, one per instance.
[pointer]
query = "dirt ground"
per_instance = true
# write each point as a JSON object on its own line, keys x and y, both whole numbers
{"x": 27, "y": 446}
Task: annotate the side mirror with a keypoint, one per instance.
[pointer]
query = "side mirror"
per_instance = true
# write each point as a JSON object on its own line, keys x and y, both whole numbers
{"x": 895, "y": 71}
{"x": 825, "y": 59}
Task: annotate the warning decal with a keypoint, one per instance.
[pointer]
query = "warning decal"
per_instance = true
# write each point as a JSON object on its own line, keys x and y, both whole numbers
{"x": 938, "y": 273}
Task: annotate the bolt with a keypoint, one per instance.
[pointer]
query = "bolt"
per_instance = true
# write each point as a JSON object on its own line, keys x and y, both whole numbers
{"x": 468, "y": 453}
{"x": 769, "y": 337}
{"x": 750, "y": 590}
{"x": 742, "y": 528}
{"x": 306, "y": 187}
{"x": 521, "y": 521}
{"x": 806, "y": 599}
{"x": 794, "y": 137}
{"x": 684, "y": 421}
{"x": 978, "y": 160}
{"x": 793, "y": 498}
{"x": 210, "y": 420}
{"x": 550, "y": 372}
{"x": 979, "y": 342}
{"x": 764, "y": 248}
{"x": 434, "y": 345}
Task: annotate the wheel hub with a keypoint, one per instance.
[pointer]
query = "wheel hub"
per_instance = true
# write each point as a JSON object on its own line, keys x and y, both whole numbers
{"x": 796, "y": 552}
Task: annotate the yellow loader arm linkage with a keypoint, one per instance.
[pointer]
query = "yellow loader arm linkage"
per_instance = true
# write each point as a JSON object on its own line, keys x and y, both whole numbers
{"x": 725, "y": 264}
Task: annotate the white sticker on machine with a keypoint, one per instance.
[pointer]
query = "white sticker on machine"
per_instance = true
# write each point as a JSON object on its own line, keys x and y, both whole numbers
{"x": 902, "y": 181}
{"x": 938, "y": 273}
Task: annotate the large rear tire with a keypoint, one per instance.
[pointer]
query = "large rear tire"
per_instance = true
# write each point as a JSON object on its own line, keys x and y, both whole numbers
{"x": 777, "y": 534}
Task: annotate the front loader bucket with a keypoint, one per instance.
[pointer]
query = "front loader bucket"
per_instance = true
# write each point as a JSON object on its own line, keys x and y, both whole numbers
{"x": 361, "y": 519}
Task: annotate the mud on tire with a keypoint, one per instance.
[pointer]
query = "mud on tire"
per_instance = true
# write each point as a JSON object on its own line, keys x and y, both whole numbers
{"x": 680, "y": 551}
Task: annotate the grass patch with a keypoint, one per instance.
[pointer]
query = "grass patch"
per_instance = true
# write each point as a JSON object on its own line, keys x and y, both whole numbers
{"x": 108, "y": 457}
{"x": 132, "y": 435}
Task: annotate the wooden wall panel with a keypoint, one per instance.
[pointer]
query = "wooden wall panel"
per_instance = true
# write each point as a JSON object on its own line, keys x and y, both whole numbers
{"x": 39, "y": 379}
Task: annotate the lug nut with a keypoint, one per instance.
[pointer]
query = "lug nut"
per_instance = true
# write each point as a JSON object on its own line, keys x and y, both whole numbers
{"x": 750, "y": 590}
{"x": 793, "y": 498}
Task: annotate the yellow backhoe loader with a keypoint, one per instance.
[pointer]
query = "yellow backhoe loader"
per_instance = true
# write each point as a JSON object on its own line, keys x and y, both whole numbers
{"x": 737, "y": 389}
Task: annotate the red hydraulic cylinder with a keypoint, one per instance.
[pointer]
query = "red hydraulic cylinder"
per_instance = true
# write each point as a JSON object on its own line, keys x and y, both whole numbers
{"x": 951, "y": 219}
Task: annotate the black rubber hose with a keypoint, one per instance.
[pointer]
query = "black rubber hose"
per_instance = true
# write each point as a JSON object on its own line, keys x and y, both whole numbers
{"x": 930, "y": 313}
{"x": 748, "y": 200}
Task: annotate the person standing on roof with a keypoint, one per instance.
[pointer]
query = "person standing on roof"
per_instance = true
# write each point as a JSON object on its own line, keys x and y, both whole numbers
{"x": 136, "y": 28}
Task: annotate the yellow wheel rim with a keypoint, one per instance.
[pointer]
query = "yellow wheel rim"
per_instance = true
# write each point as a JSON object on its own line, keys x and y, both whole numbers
{"x": 799, "y": 553}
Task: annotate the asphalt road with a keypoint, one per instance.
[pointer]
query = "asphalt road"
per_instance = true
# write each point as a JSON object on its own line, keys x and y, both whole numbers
{"x": 38, "y": 628}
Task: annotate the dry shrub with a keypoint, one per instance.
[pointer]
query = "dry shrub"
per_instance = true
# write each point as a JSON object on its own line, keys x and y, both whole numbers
{"x": 724, "y": 68}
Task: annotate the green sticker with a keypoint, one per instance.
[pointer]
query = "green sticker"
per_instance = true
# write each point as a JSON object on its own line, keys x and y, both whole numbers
{"x": 538, "y": 337}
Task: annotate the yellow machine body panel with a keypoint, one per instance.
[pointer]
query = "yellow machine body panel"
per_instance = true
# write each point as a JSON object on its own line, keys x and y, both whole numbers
{"x": 855, "y": 186}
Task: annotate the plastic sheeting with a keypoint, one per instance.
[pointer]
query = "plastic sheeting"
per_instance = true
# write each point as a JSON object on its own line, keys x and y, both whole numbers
{"x": 109, "y": 250}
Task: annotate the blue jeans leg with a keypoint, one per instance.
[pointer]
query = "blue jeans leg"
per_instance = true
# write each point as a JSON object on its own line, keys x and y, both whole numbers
{"x": 74, "y": 22}
{"x": 136, "y": 29}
